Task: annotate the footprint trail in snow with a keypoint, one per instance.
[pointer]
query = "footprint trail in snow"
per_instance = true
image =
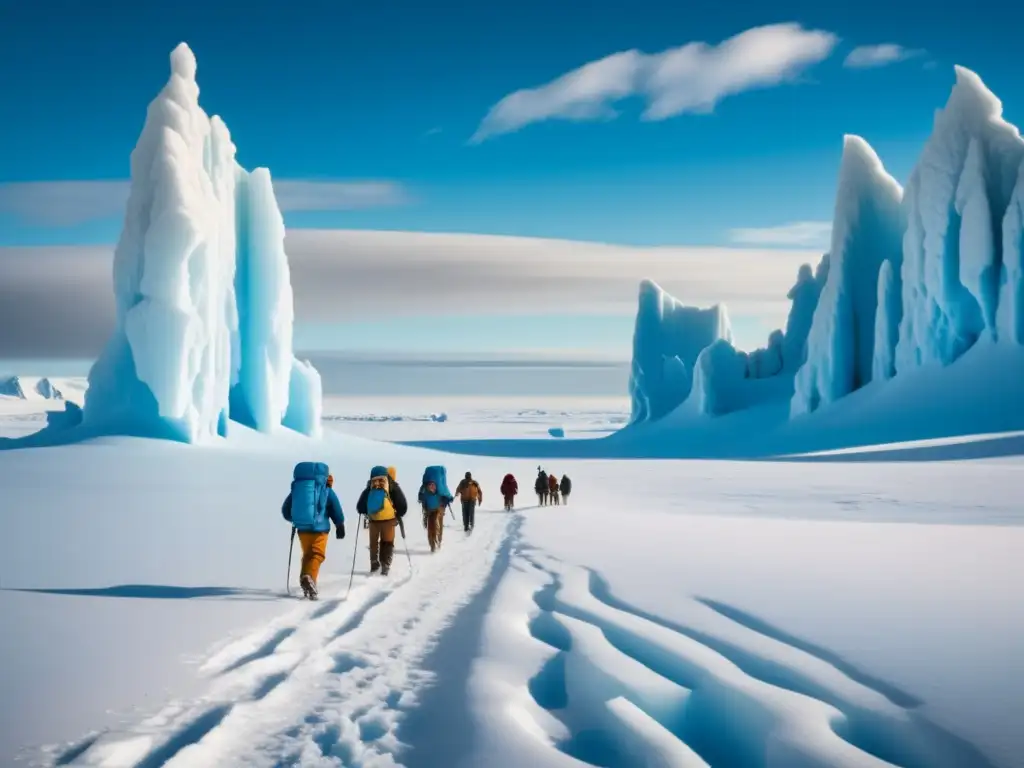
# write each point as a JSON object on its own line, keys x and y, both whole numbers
{"x": 326, "y": 685}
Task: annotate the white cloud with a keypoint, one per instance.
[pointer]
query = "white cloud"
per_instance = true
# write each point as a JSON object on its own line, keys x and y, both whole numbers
{"x": 59, "y": 301}
{"x": 691, "y": 78}
{"x": 866, "y": 56}
{"x": 798, "y": 234}
{"x": 68, "y": 203}
{"x": 63, "y": 203}
{"x": 298, "y": 195}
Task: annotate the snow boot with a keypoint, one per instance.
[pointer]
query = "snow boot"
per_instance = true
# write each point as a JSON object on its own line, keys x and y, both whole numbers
{"x": 308, "y": 586}
{"x": 387, "y": 550}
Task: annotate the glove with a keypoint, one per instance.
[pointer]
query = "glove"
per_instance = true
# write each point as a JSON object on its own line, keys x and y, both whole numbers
{"x": 340, "y": 531}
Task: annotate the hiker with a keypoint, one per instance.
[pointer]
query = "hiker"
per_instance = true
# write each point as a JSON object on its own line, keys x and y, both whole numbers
{"x": 434, "y": 496}
{"x": 471, "y": 494}
{"x": 509, "y": 489}
{"x": 541, "y": 487}
{"x": 553, "y": 489}
{"x": 383, "y": 504}
{"x": 310, "y": 507}
{"x": 566, "y": 488}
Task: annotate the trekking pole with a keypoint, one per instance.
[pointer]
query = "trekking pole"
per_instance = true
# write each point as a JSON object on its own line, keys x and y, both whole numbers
{"x": 401, "y": 527}
{"x": 288, "y": 578}
{"x": 355, "y": 550}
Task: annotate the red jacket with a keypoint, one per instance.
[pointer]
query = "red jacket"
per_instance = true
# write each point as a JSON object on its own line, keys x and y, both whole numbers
{"x": 509, "y": 486}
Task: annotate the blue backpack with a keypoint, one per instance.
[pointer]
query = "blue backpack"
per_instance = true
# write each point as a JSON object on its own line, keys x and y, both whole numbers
{"x": 309, "y": 494}
{"x": 439, "y": 476}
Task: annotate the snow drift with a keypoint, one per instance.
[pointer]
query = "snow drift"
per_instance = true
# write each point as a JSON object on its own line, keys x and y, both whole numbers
{"x": 203, "y": 295}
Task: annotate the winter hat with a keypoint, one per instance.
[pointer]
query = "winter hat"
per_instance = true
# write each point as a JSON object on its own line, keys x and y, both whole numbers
{"x": 378, "y": 471}
{"x": 392, "y": 473}
{"x": 469, "y": 475}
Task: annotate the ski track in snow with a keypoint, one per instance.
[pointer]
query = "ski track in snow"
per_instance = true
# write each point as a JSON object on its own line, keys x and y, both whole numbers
{"x": 325, "y": 685}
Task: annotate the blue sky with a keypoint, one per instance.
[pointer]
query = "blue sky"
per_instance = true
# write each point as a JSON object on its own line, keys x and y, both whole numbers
{"x": 382, "y": 99}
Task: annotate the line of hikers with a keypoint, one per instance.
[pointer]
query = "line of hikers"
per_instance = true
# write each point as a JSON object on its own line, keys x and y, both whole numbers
{"x": 312, "y": 505}
{"x": 551, "y": 490}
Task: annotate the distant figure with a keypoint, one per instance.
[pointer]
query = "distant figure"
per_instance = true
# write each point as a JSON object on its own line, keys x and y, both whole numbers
{"x": 509, "y": 489}
{"x": 541, "y": 487}
{"x": 471, "y": 494}
{"x": 383, "y": 504}
{"x": 566, "y": 488}
{"x": 553, "y": 489}
{"x": 310, "y": 507}
{"x": 434, "y": 497}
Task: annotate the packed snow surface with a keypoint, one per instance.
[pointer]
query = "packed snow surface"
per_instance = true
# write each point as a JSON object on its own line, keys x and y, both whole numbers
{"x": 203, "y": 297}
{"x": 536, "y": 640}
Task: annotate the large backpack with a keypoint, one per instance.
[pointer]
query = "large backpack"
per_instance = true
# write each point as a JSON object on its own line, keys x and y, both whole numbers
{"x": 509, "y": 486}
{"x": 439, "y": 476}
{"x": 309, "y": 494}
{"x": 378, "y": 500}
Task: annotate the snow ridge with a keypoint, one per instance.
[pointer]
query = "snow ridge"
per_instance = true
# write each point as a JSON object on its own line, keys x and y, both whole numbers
{"x": 203, "y": 296}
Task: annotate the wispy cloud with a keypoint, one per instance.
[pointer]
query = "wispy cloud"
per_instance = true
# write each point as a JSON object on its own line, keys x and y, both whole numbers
{"x": 298, "y": 195}
{"x": 798, "y": 234}
{"x": 691, "y": 78}
{"x": 70, "y": 203}
{"x": 60, "y": 300}
{"x": 866, "y": 56}
{"x": 63, "y": 203}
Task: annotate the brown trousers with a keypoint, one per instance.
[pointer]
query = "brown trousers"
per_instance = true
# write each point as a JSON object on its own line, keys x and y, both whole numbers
{"x": 314, "y": 550}
{"x": 435, "y": 527}
{"x": 381, "y": 532}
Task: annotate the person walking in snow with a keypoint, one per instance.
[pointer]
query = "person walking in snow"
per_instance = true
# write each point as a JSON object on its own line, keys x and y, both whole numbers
{"x": 434, "y": 498}
{"x": 541, "y": 487}
{"x": 310, "y": 507}
{"x": 566, "y": 488}
{"x": 470, "y": 494}
{"x": 383, "y": 504}
{"x": 509, "y": 489}
{"x": 552, "y": 489}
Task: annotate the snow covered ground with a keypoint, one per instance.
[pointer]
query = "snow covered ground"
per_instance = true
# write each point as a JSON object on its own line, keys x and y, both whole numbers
{"x": 674, "y": 613}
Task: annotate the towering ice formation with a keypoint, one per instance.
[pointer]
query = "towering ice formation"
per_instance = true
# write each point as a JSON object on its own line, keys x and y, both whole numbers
{"x": 887, "y": 323}
{"x": 203, "y": 296}
{"x": 1011, "y": 291}
{"x": 867, "y": 230}
{"x": 957, "y": 241}
{"x": 719, "y": 380}
{"x": 667, "y": 339}
{"x": 804, "y": 296}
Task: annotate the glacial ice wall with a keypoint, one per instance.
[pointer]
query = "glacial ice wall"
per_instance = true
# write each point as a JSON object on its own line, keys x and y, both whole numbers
{"x": 962, "y": 229}
{"x": 203, "y": 298}
{"x": 667, "y": 339}
{"x": 867, "y": 230}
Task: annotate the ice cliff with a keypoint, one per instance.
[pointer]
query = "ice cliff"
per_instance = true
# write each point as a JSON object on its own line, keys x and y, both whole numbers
{"x": 685, "y": 355}
{"x": 202, "y": 288}
{"x": 667, "y": 339}
{"x": 920, "y": 280}
{"x": 961, "y": 251}
{"x": 867, "y": 230}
